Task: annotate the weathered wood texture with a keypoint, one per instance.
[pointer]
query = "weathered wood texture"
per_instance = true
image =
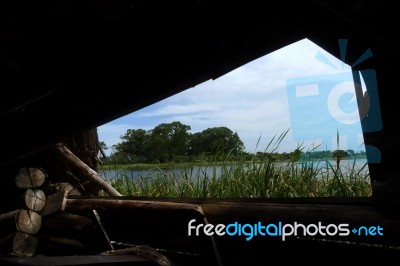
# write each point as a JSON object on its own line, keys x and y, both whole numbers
{"x": 55, "y": 203}
{"x": 85, "y": 146}
{"x": 9, "y": 215}
{"x": 84, "y": 260}
{"x": 28, "y": 221}
{"x": 30, "y": 177}
{"x": 167, "y": 228}
{"x": 25, "y": 244}
{"x": 81, "y": 170}
{"x": 25, "y": 221}
{"x": 35, "y": 199}
{"x": 144, "y": 251}
{"x": 126, "y": 204}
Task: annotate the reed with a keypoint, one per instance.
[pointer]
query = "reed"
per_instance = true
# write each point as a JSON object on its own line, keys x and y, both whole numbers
{"x": 257, "y": 178}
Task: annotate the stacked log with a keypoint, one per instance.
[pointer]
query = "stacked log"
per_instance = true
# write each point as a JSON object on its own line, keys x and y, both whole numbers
{"x": 39, "y": 224}
{"x": 29, "y": 177}
{"x": 36, "y": 221}
{"x": 26, "y": 218}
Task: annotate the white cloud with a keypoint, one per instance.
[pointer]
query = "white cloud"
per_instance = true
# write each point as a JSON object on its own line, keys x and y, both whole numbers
{"x": 174, "y": 109}
{"x": 251, "y": 100}
{"x": 111, "y": 133}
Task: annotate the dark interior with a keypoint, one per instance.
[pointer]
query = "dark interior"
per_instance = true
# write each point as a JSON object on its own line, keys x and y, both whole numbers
{"x": 70, "y": 66}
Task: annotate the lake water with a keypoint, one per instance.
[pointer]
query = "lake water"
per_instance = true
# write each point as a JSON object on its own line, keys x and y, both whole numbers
{"x": 211, "y": 171}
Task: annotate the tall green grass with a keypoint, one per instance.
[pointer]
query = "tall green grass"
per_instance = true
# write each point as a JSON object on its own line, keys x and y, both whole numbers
{"x": 258, "y": 178}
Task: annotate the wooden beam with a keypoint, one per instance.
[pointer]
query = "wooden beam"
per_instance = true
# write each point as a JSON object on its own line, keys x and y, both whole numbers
{"x": 83, "y": 171}
{"x": 126, "y": 204}
{"x": 144, "y": 251}
{"x": 360, "y": 213}
{"x": 83, "y": 260}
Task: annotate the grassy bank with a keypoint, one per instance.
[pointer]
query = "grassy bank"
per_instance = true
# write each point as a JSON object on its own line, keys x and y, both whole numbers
{"x": 263, "y": 179}
{"x": 142, "y": 166}
{"x": 257, "y": 178}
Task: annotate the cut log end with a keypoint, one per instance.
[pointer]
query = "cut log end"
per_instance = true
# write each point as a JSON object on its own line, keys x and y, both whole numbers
{"x": 25, "y": 245}
{"x": 35, "y": 199}
{"x": 28, "y": 221}
{"x": 29, "y": 177}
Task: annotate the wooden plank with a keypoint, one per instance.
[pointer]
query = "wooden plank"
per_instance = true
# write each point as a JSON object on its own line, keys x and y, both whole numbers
{"x": 144, "y": 251}
{"x": 125, "y": 204}
{"x": 79, "y": 260}
{"x": 228, "y": 212}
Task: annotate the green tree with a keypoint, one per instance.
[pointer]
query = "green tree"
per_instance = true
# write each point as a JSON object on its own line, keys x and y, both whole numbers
{"x": 168, "y": 140}
{"x": 133, "y": 145}
{"x": 338, "y": 155}
{"x": 214, "y": 140}
{"x": 103, "y": 145}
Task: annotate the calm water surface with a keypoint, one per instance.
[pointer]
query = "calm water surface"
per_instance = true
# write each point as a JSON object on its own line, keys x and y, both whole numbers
{"x": 211, "y": 171}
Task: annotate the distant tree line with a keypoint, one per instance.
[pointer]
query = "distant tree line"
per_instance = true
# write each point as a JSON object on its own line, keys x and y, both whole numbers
{"x": 299, "y": 154}
{"x": 173, "y": 142}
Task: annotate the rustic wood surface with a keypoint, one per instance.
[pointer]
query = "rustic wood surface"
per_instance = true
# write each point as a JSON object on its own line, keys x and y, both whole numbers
{"x": 55, "y": 203}
{"x": 85, "y": 260}
{"x": 25, "y": 244}
{"x": 29, "y": 177}
{"x": 35, "y": 199}
{"x": 9, "y": 215}
{"x": 144, "y": 251}
{"x": 28, "y": 221}
{"x": 83, "y": 171}
{"x": 125, "y": 204}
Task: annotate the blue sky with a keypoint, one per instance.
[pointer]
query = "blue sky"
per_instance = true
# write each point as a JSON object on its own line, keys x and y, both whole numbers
{"x": 300, "y": 87}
